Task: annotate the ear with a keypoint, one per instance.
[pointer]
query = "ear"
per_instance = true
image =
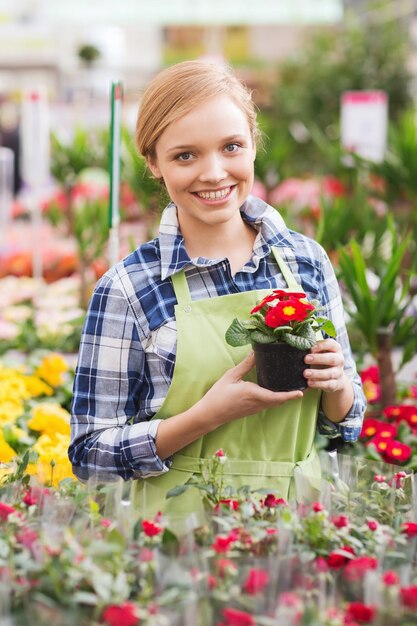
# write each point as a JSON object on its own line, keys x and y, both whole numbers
{"x": 153, "y": 166}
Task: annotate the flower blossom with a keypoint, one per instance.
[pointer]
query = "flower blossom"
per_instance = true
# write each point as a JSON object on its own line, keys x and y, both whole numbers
{"x": 121, "y": 615}
{"x": 256, "y": 581}
{"x": 235, "y": 617}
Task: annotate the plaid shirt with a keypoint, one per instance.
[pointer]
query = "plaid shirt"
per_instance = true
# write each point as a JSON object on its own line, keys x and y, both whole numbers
{"x": 127, "y": 351}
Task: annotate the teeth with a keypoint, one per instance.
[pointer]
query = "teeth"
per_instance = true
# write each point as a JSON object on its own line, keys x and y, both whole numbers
{"x": 214, "y": 195}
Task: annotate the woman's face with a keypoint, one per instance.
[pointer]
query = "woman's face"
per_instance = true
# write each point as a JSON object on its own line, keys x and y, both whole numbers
{"x": 206, "y": 160}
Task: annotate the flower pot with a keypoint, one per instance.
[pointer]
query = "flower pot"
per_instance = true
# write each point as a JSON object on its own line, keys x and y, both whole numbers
{"x": 279, "y": 366}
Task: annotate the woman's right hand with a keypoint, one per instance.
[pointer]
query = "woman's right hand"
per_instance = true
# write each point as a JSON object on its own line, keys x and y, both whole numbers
{"x": 231, "y": 397}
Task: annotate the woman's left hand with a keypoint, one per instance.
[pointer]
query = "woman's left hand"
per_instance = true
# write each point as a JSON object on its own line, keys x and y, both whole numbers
{"x": 327, "y": 366}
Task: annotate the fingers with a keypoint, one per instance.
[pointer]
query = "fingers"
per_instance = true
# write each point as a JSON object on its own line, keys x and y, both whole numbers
{"x": 243, "y": 367}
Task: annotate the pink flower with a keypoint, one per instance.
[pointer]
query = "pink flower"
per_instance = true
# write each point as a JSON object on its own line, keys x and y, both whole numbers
{"x": 390, "y": 578}
{"x": 256, "y": 581}
{"x": 372, "y": 524}
{"x": 121, "y": 615}
{"x": 378, "y": 478}
{"x": 219, "y": 453}
{"x": 317, "y": 507}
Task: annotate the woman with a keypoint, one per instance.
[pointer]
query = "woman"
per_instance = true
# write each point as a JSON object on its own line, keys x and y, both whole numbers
{"x": 157, "y": 388}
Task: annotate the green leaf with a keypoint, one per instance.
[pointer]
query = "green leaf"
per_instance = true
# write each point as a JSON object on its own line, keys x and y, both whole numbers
{"x": 259, "y": 337}
{"x": 301, "y": 343}
{"x": 177, "y": 491}
{"x": 329, "y": 328}
{"x": 237, "y": 335}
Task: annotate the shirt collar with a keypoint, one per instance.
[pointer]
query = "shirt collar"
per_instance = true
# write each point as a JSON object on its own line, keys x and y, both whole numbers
{"x": 271, "y": 228}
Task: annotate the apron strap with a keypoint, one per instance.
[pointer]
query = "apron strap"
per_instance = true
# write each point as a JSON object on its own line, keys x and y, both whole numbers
{"x": 182, "y": 291}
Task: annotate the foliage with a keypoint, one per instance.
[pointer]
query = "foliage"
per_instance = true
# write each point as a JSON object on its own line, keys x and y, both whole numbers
{"x": 353, "y": 56}
{"x": 281, "y": 317}
{"x": 384, "y": 307}
{"x": 80, "y": 553}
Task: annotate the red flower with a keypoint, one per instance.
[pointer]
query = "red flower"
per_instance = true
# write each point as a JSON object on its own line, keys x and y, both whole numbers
{"x": 287, "y": 311}
{"x": 269, "y": 298}
{"x": 219, "y": 453}
{"x": 234, "y": 617}
{"x": 370, "y": 427}
{"x": 317, "y": 507}
{"x": 222, "y": 544}
{"x": 362, "y": 613}
{"x": 396, "y": 412}
{"x": 121, "y": 615}
{"x": 410, "y": 416}
{"x": 409, "y": 529}
{"x": 387, "y": 431}
{"x": 379, "y": 443}
{"x": 370, "y": 383}
{"x": 271, "y": 501}
{"x": 338, "y": 558}
{"x": 372, "y": 524}
{"x": 5, "y": 511}
{"x": 332, "y": 186}
{"x": 150, "y": 528}
{"x": 231, "y": 504}
{"x": 390, "y": 578}
{"x": 409, "y": 597}
{"x": 356, "y": 569}
{"x": 378, "y": 478}
{"x": 397, "y": 451}
{"x": 340, "y": 521}
{"x": 256, "y": 581}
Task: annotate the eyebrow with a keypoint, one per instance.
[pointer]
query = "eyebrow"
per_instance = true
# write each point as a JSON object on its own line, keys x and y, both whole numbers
{"x": 225, "y": 140}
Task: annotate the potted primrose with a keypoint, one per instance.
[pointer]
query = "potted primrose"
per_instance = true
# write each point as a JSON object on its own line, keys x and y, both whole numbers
{"x": 282, "y": 328}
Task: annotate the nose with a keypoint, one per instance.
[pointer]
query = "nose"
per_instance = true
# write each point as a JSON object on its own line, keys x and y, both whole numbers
{"x": 212, "y": 170}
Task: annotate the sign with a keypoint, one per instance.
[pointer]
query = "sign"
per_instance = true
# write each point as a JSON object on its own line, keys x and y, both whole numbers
{"x": 364, "y": 123}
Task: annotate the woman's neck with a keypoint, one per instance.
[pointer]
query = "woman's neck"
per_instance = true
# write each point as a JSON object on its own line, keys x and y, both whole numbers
{"x": 233, "y": 241}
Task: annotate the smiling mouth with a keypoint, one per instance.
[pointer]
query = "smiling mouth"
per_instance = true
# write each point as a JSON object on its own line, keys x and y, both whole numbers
{"x": 220, "y": 194}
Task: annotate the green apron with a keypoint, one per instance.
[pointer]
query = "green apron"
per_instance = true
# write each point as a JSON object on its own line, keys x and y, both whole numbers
{"x": 264, "y": 450}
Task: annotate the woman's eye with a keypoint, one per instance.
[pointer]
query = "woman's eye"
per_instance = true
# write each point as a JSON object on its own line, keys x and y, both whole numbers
{"x": 184, "y": 156}
{"x": 232, "y": 147}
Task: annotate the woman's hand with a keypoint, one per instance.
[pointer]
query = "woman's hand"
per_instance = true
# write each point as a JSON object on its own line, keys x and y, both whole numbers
{"x": 231, "y": 397}
{"x": 327, "y": 374}
{"x": 327, "y": 366}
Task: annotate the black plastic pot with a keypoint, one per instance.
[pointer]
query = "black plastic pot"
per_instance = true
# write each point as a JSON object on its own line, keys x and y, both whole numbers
{"x": 279, "y": 367}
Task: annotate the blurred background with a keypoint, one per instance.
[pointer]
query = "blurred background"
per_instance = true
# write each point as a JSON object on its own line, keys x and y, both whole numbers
{"x": 336, "y": 86}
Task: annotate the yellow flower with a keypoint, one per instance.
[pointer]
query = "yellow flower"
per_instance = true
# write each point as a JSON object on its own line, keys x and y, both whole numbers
{"x": 52, "y": 449}
{"x": 37, "y": 387}
{"x": 6, "y": 452}
{"x": 10, "y": 411}
{"x": 52, "y": 368}
{"x": 50, "y": 418}
{"x": 12, "y": 387}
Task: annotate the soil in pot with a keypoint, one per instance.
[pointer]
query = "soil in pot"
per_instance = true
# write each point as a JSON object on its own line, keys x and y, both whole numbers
{"x": 279, "y": 366}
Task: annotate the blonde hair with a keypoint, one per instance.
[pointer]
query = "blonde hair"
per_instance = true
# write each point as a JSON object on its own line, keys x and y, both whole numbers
{"x": 175, "y": 91}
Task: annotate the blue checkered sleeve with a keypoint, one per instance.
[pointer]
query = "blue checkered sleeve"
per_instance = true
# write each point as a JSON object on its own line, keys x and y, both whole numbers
{"x": 107, "y": 389}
